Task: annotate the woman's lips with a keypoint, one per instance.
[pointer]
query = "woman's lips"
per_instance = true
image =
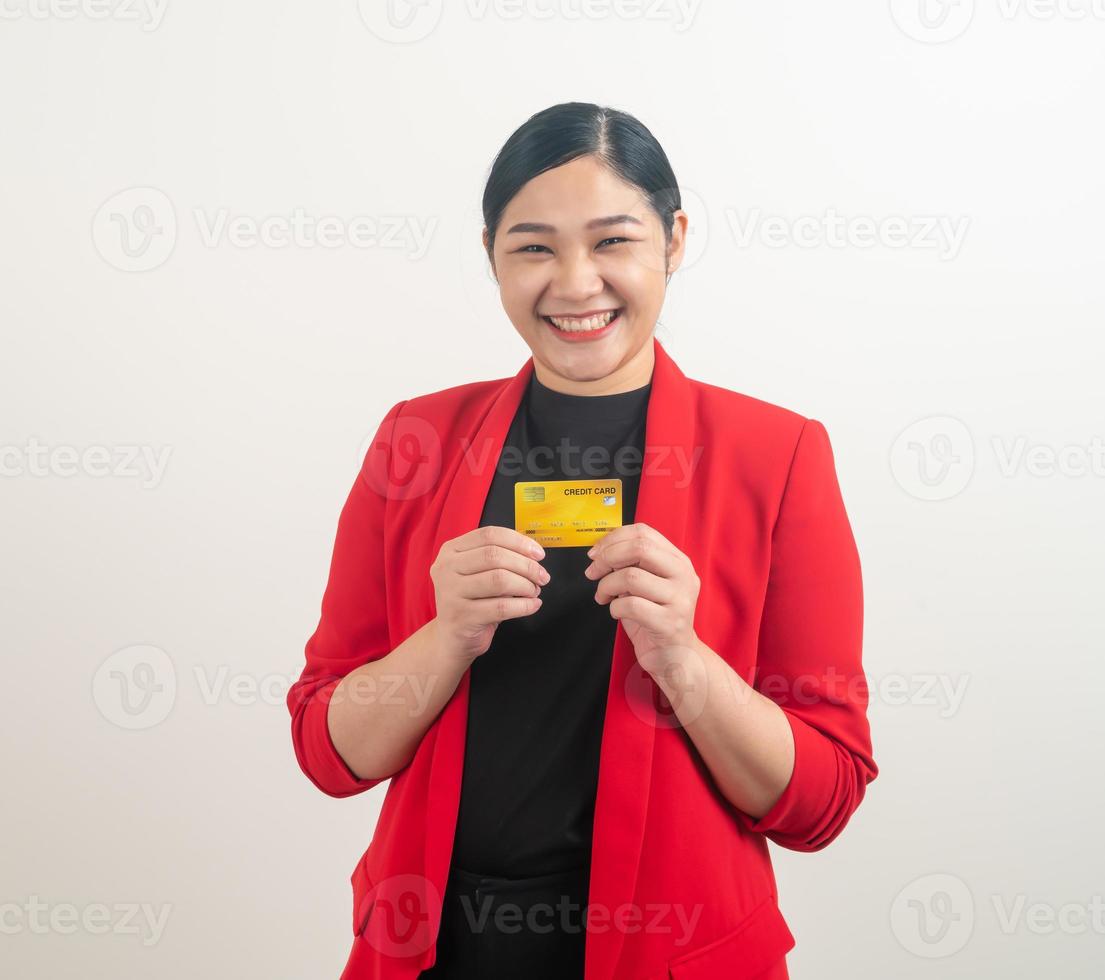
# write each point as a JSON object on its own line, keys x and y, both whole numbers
{"x": 577, "y": 336}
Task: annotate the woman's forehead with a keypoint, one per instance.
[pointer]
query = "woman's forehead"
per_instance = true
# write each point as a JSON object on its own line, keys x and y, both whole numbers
{"x": 574, "y": 200}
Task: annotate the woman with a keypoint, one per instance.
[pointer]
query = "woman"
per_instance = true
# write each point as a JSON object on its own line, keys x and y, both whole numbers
{"x": 589, "y": 742}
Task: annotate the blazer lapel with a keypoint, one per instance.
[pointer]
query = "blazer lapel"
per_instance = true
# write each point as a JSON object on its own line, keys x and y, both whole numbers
{"x": 625, "y": 763}
{"x": 630, "y": 724}
{"x": 461, "y": 512}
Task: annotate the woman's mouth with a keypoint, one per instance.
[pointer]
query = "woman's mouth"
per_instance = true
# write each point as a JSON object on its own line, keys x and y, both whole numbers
{"x": 589, "y": 327}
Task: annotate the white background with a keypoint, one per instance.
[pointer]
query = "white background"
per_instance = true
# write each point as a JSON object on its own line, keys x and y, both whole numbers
{"x": 960, "y": 382}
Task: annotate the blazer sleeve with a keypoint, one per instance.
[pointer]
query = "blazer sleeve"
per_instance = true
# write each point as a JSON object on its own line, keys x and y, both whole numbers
{"x": 809, "y": 659}
{"x": 353, "y": 627}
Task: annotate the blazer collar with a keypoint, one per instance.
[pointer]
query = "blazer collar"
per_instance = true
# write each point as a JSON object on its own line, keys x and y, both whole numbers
{"x": 631, "y": 720}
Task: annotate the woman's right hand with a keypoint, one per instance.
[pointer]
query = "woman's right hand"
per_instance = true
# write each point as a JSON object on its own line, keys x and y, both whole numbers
{"x": 483, "y": 577}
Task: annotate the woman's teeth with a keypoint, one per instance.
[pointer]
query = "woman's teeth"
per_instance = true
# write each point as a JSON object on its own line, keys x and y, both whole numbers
{"x": 575, "y": 324}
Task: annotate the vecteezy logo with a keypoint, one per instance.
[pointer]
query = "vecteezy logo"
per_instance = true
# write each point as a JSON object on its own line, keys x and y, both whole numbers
{"x": 403, "y": 459}
{"x": 400, "y": 21}
{"x": 135, "y": 688}
{"x": 932, "y": 21}
{"x": 405, "y": 911}
{"x": 135, "y": 230}
{"x": 933, "y": 458}
{"x": 679, "y": 666}
{"x": 933, "y": 916}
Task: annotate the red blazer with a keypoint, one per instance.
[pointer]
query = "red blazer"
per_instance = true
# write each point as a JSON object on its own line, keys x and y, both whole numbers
{"x": 682, "y": 878}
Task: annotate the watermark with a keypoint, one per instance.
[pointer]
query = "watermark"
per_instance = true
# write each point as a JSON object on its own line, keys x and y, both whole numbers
{"x": 409, "y": 21}
{"x": 944, "y": 234}
{"x": 1016, "y": 914}
{"x": 932, "y": 21}
{"x": 412, "y": 691}
{"x": 299, "y": 229}
{"x": 401, "y": 21}
{"x": 934, "y": 458}
{"x": 1072, "y": 10}
{"x": 123, "y": 462}
{"x": 140, "y": 919}
{"x": 938, "y": 21}
{"x": 1017, "y": 456}
{"x": 678, "y": 14}
{"x": 135, "y": 688}
{"x": 403, "y": 459}
{"x": 652, "y": 917}
{"x": 668, "y": 687}
{"x": 242, "y": 690}
{"x": 494, "y": 914}
{"x": 935, "y": 916}
{"x": 147, "y": 14}
{"x": 671, "y": 690}
{"x": 944, "y": 692}
{"x": 570, "y": 460}
{"x": 398, "y": 915}
{"x": 941, "y": 691}
{"x": 136, "y": 230}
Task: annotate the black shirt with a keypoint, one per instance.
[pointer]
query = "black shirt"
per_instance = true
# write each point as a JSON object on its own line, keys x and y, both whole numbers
{"x": 537, "y": 697}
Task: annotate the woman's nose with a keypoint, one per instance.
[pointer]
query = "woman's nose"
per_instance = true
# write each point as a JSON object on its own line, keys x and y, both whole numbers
{"x": 576, "y": 277}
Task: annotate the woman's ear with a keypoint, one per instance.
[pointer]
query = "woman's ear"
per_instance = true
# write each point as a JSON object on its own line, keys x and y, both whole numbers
{"x": 677, "y": 246}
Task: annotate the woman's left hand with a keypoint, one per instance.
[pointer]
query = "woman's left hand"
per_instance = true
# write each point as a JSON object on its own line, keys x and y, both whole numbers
{"x": 651, "y": 587}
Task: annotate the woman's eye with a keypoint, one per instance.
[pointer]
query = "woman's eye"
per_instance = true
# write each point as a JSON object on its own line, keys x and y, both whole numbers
{"x": 529, "y": 249}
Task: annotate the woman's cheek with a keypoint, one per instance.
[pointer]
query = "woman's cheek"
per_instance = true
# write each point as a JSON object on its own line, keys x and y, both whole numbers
{"x": 648, "y": 260}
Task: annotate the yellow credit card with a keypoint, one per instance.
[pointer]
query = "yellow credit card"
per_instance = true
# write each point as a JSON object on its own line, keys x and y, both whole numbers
{"x": 567, "y": 513}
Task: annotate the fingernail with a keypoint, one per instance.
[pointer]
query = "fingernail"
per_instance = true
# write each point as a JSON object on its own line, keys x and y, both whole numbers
{"x": 537, "y": 550}
{"x": 591, "y": 553}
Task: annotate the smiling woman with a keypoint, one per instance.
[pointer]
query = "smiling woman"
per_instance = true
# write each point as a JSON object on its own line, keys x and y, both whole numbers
{"x": 583, "y": 230}
{"x": 618, "y": 681}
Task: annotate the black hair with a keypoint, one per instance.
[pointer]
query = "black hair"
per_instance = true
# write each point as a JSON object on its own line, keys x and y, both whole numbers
{"x": 563, "y": 132}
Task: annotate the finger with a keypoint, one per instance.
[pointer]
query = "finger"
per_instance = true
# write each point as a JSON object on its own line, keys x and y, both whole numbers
{"x": 504, "y": 537}
{"x": 496, "y": 556}
{"x": 648, "y": 614}
{"x": 634, "y": 581}
{"x": 495, "y": 582}
{"x": 628, "y": 532}
{"x": 644, "y": 551}
{"x": 496, "y": 610}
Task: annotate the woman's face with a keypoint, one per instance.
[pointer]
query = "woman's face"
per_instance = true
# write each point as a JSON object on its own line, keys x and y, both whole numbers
{"x": 580, "y": 245}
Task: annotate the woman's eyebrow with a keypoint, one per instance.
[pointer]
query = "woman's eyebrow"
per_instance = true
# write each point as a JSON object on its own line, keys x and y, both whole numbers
{"x": 537, "y": 227}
